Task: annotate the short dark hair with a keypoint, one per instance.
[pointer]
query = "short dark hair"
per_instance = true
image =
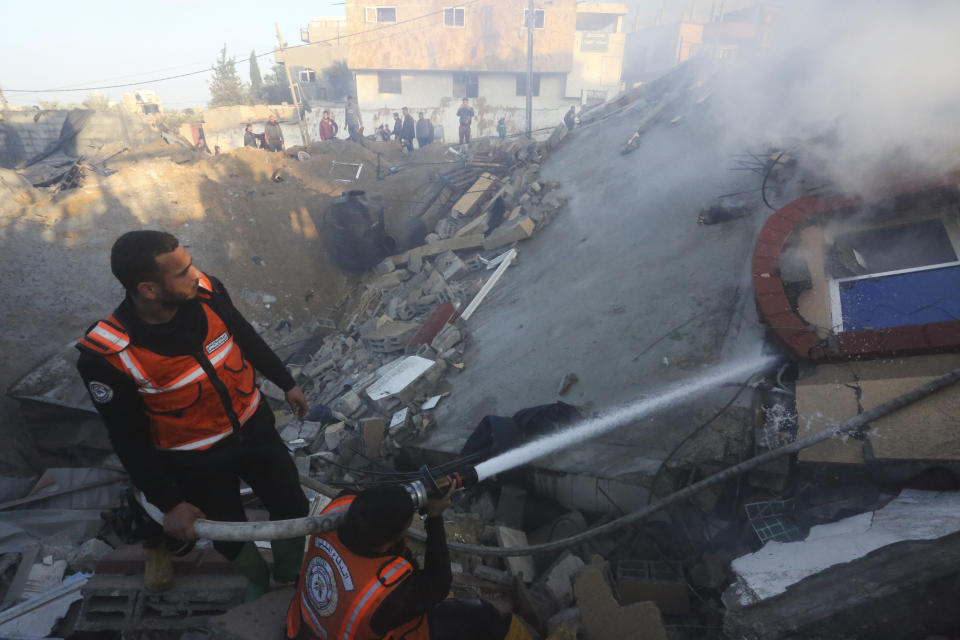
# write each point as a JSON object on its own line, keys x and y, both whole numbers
{"x": 378, "y": 515}
{"x": 133, "y": 258}
{"x": 325, "y": 112}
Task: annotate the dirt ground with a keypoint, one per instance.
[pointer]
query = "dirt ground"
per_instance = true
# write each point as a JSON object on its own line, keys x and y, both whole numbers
{"x": 249, "y": 217}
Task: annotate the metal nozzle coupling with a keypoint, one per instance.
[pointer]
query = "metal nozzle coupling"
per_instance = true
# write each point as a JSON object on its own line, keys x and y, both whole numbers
{"x": 429, "y": 487}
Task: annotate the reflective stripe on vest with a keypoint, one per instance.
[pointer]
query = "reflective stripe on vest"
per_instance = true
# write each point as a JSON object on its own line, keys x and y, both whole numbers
{"x": 206, "y": 442}
{"x": 368, "y": 597}
{"x": 196, "y": 373}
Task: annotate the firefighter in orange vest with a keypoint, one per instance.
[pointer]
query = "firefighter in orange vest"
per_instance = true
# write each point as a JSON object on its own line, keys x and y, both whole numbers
{"x": 360, "y": 582}
{"x": 172, "y": 373}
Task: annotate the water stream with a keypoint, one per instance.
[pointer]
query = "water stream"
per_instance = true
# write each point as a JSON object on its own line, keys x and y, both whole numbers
{"x": 738, "y": 371}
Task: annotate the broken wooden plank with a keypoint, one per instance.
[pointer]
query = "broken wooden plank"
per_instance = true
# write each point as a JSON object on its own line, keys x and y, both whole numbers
{"x": 451, "y": 244}
{"x": 470, "y": 202}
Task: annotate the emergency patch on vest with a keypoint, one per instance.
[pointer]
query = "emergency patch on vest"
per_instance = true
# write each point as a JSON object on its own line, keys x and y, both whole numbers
{"x": 217, "y": 342}
{"x": 100, "y": 392}
{"x": 338, "y": 561}
{"x": 322, "y": 587}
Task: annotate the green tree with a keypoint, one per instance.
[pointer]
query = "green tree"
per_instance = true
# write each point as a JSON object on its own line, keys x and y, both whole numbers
{"x": 340, "y": 79}
{"x": 225, "y": 87}
{"x": 256, "y": 80}
{"x": 275, "y": 88}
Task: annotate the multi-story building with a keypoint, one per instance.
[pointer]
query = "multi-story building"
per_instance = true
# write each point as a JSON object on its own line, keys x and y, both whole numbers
{"x": 428, "y": 56}
{"x": 324, "y": 43}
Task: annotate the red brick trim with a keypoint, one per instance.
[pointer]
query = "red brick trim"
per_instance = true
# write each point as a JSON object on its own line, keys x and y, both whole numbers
{"x": 802, "y": 339}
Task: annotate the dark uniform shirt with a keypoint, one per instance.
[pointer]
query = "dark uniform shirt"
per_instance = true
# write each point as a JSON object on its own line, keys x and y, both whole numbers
{"x": 123, "y": 412}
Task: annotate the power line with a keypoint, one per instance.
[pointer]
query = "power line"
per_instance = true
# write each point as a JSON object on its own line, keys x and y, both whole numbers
{"x": 259, "y": 55}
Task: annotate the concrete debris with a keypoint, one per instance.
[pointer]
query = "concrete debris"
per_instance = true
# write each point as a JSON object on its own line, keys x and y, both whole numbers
{"x": 602, "y": 615}
{"x": 515, "y": 230}
{"x": 372, "y": 430}
{"x": 659, "y": 582}
{"x": 511, "y": 506}
{"x": 558, "y": 579}
{"x": 566, "y": 382}
{"x": 518, "y": 566}
{"x": 903, "y": 559}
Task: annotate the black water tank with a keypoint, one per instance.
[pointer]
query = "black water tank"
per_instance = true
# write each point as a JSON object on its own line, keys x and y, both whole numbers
{"x": 353, "y": 226}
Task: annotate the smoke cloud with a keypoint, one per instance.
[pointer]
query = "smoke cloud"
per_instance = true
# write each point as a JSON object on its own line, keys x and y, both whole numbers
{"x": 867, "y": 87}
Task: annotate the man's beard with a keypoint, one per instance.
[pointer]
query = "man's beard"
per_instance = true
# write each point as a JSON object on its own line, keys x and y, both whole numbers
{"x": 173, "y": 299}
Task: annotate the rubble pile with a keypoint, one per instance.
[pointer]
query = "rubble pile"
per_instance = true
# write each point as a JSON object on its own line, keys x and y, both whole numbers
{"x": 407, "y": 327}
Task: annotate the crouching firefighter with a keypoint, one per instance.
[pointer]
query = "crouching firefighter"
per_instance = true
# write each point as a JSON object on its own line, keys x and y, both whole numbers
{"x": 360, "y": 582}
{"x": 172, "y": 373}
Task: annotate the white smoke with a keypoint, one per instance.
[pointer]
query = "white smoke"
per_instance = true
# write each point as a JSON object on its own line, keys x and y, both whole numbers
{"x": 874, "y": 81}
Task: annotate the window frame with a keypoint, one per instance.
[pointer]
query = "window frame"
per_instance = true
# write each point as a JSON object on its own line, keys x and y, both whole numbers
{"x": 389, "y": 77}
{"x": 466, "y": 79}
{"x": 537, "y": 13}
{"x": 371, "y": 14}
{"x": 456, "y": 11}
{"x": 311, "y": 76}
{"x": 522, "y": 77}
{"x": 834, "y": 284}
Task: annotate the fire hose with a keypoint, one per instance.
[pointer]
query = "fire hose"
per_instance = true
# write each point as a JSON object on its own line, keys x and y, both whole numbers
{"x": 420, "y": 490}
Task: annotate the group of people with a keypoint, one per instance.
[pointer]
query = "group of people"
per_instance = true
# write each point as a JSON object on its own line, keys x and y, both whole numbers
{"x": 405, "y": 128}
{"x": 173, "y": 373}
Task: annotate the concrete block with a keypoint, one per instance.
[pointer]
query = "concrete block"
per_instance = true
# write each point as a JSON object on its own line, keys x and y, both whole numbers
{"x": 389, "y": 281}
{"x": 520, "y": 566}
{"x": 390, "y": 337}
{"x": 349, "y": 404}
{"x": 384, "y": 267}
{"x": 497, "y": 576}
{"x": 558, "y": 579}
{"x": 447, "y": 338}
{"x": 372, "y": 430}
{"x": 333, "y": 434}
{"x": 602, "y": 615}
{"x": 470, "y": 202}
{"x": 450, "y": 266}
{"x": 510, "y": 232}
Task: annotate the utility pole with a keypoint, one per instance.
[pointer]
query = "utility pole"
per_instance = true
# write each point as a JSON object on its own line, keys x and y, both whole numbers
{"x": 530, "y": 22}
{"x": 293, "y": 92}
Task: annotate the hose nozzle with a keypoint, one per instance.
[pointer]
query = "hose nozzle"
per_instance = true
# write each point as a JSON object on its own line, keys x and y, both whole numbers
{"x": 428, "y": 486}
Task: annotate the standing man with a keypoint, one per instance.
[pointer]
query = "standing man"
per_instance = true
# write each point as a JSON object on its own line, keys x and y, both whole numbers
{"x": 172, "y": 374}
{"x": 250, "y": 138}
{"x": 354, "y": 120}
{"x": 424, "y": 131}
{"x": 328, "y": 128}
{"x": 397, "y": 127}
{"x": 407, "y": 130}
{"x": 360, "y": 580}
{"x": 272, "y": 134}
{"x": 570, "y": 118}
{"x": 465, "y": 113}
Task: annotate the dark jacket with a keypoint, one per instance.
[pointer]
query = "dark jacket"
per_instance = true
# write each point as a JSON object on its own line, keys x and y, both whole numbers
{"x": 123, "y": 412}
{"x": 249, "y": 139}
{"x": 273, "y": 135}
{"x": 397, "y": 128}
{"x": 425, "y": 130}
{"x": 407, "y": 129}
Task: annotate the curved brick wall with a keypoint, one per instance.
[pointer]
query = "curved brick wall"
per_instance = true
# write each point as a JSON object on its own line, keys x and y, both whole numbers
{"x": 800, "y": 338}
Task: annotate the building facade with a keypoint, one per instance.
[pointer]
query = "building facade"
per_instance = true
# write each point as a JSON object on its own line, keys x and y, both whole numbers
{"x": 323, "y": 44}
{"x": 428, "y": 56}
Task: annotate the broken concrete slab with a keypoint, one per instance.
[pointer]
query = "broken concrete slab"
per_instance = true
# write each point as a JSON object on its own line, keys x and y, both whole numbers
{"x": 258, "y": 620}
{"x": 602, "y": 615}
{"x": 903, "y": 559}
{"x": 515, "y": 230}
{"x": 333, "y": 434}
{"x": 396, "y": 376}
{"x": 520, "y": 566}
{"x": 390, "y": 337}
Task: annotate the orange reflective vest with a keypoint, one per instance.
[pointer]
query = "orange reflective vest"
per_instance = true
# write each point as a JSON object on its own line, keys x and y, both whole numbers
{"x": 339, "y": 591}
{"x": 192, "y": 401}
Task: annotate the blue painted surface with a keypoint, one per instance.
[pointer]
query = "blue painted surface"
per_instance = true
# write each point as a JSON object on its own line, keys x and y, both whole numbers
{"x": 919, "y": 297}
